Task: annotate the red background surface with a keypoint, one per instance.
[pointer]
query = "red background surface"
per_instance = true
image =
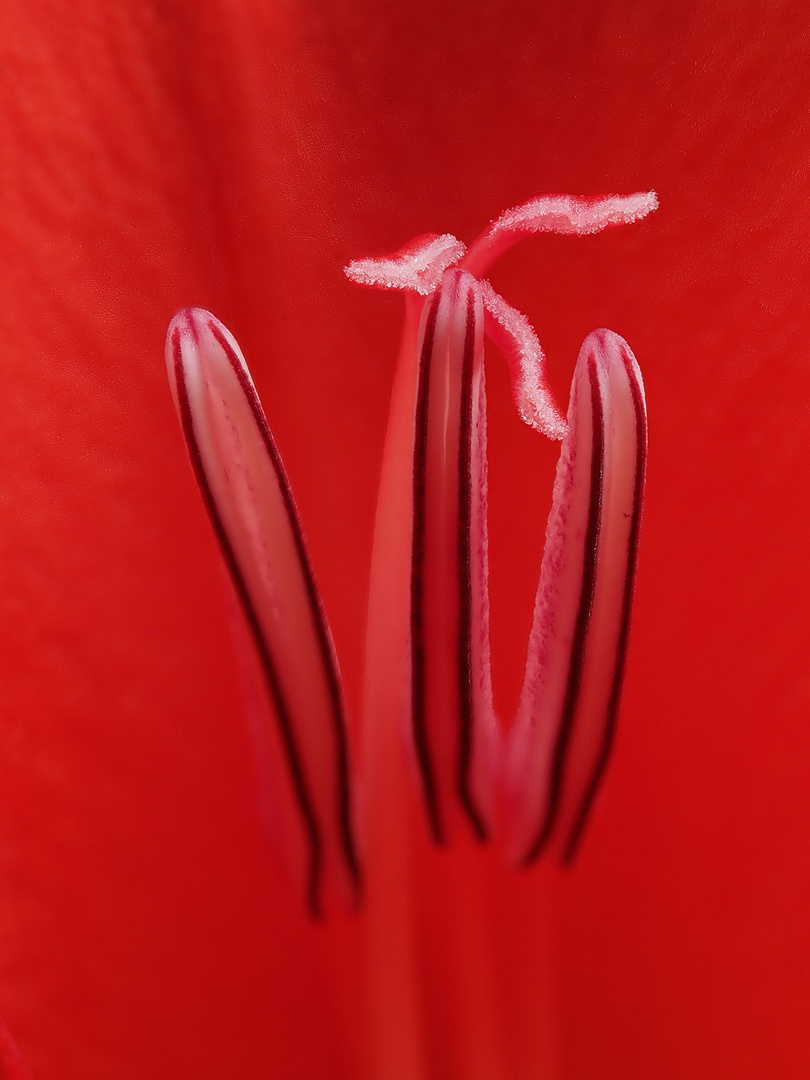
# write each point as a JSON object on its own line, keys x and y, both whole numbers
{"x": 235, "y": 155}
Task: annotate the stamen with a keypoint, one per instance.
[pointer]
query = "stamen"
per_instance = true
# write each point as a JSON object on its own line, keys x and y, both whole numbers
{"x": 428, "y": 660}
{"x": 416, "y": 267}
{"x": 560, "y": 741}
{"x": 566, "y": 717}
{"x": 251, "y": 507}
{"x": 448, "y": 690}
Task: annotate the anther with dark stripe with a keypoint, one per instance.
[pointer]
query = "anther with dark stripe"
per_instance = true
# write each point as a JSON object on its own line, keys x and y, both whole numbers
{"x": 567, "y": 713}
{"x": 442, "y": 707}
{"x": 248, "y": 498}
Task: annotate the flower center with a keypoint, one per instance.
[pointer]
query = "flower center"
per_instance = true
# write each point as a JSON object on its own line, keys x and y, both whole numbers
{"x": 428, "y": 661}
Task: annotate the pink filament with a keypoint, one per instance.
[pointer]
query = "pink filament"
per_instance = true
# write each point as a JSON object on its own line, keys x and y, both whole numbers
{"x": 451, "y": 709}
{"x": 250, "y": 504}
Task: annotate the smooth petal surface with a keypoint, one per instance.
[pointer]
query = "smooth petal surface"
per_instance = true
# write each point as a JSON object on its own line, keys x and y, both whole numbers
{"x": 236, "y": 154}
{"x": 12, "y": 1066}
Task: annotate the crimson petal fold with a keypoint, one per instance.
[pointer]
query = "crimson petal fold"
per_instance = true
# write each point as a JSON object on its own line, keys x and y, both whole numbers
{"x": 12, "y": 1065}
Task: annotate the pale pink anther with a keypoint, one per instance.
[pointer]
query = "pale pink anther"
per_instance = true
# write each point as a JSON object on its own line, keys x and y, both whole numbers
{"x": 563, "y": 732}
{"x": 252, "y": 511}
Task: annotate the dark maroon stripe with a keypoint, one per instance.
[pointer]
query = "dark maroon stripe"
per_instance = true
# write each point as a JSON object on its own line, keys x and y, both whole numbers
{"x": 418, "y": 704}
{"x": 282, "y": 710}
{"x": 574, "y": 683}
{"x": 317, "y": 615}
{"x": 624, "y": 629}
{"x": 465, "y": 496}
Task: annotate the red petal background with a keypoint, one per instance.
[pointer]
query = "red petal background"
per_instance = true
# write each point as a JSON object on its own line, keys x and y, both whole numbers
{"x": 236, "y": 154}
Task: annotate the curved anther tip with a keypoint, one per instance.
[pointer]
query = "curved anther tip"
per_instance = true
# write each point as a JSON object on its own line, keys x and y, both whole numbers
{"x": 189, "y": 320}
{"x": 189, "y": 328}
{"x": 196, "y": 337}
